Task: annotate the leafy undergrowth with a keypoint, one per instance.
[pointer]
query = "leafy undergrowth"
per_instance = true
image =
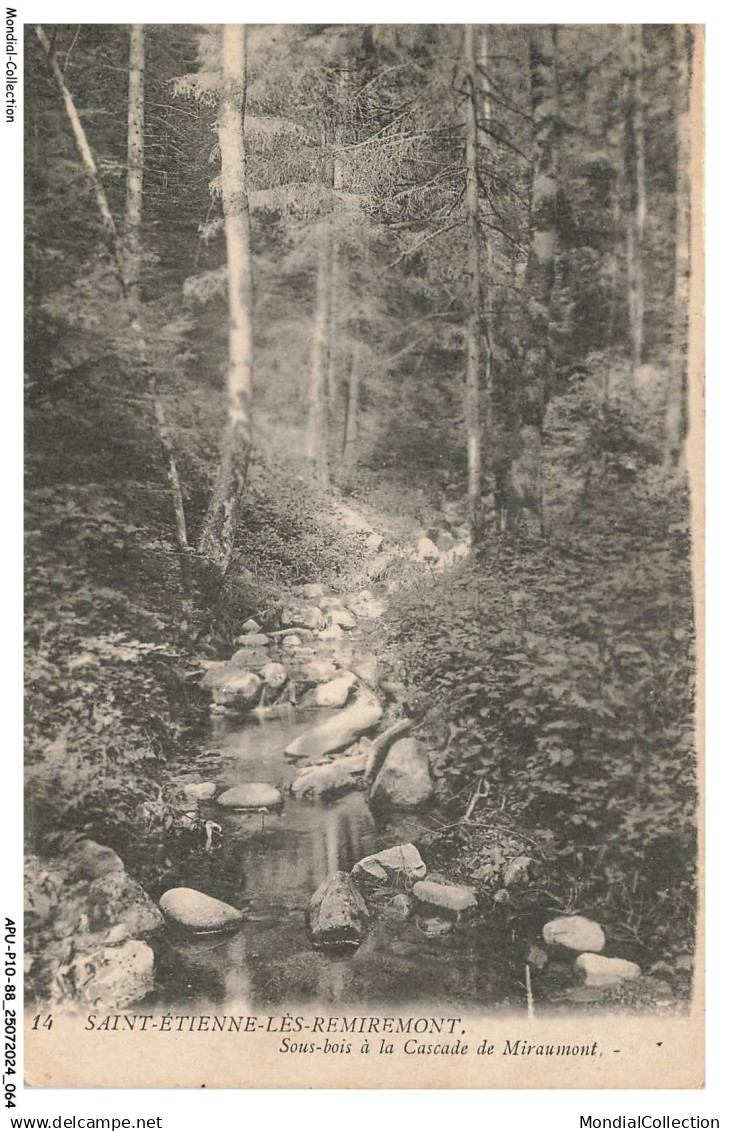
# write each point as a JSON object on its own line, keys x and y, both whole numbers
{"x": 559, "y": 675}
{"x": 113, "y": 635}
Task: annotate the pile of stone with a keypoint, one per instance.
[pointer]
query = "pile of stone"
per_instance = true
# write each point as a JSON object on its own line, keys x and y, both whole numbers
{"x": 305, "y": 658}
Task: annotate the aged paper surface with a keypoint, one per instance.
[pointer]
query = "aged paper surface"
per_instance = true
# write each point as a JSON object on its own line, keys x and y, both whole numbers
{"x": 409, "y": 996}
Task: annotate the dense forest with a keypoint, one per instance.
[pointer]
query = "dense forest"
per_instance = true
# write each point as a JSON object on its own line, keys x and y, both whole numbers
{"x": 394, "y": 320}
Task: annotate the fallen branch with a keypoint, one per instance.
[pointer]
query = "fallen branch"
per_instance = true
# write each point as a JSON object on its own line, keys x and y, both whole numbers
{"x": 378, "y": 749}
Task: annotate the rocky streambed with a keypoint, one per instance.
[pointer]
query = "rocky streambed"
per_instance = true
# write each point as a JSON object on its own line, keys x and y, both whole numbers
{"x": 309, "y": 878}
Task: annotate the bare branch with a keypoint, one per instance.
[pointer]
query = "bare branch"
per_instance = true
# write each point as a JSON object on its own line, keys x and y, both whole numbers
{"x": 426, "y": 239}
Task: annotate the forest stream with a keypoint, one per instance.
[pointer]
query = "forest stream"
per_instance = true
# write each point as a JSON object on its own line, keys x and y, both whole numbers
{"x": 271, "y": 867}
{"x": 269, "y": 864}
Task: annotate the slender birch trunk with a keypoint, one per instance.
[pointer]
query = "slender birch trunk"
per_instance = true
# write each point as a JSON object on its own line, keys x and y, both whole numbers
{"x": 635, "y": 167}
{"x": 352, "y": 421}
{"x": 82, "y": 145}
{"x": 487, "y": 246}
{"x": 127, "y": 267}
{"x": 218, "y": 536}
{"x": 133, "y": 212}
{"x": 316, "y": 437}
{"x": 677, "y": 386}
{"x": 135, "y": 163}
{"x": 473, "y": 357}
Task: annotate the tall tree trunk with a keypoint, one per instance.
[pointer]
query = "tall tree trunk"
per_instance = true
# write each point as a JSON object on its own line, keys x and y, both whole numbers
{"x": 135, "y": 162}
{"x": 352, "y": 421}
{"x": 133, "y": 220}
{"x": 523, "y": 493}
{"x": 616, "y": 195}
{"x": 218, "y": 536}
{"x": 677, "y": 385}
{"x": 488, "y": 251}
{"x": 83, "y": 146}
{"x": 635, "y": 169}
{"x": 132, "y": 266}
{"x": 473, "y": 358}
{"x": 316, "y": 437}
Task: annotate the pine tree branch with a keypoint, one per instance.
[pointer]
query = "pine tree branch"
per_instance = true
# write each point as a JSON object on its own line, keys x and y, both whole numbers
{"x": 426, "y": 239}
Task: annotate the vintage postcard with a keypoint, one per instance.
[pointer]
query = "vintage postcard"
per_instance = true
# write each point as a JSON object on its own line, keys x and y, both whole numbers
{"x": 364, "y": 517}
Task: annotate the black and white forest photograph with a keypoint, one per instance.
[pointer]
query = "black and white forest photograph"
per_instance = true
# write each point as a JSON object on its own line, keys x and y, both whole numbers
{"x": 363, "y": 508}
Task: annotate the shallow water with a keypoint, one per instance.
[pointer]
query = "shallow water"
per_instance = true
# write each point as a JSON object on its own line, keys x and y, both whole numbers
{"x": 271, "y": 872}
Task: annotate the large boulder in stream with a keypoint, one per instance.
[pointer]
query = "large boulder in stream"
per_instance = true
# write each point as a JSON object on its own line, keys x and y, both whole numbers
{"x": 337, "y": 916}
{"x": 339, "y": 731}
{"x": 195, "y": 911}
{"x": 404, "y": 782}
{"x": 240, "y": 690}
{"x": 334, "y": 693}
{"x": 252, "y": 795}
{"x": 331, "y": 778}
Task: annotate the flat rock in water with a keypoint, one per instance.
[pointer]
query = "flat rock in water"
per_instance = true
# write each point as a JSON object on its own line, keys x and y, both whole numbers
{"x": 331, "y": 778}
{"x": 602, "y": 971}
{"x": 404, "y": 782}
{"x": 196, "y": 911}
{"x": 338, "y": 731}
{"x": 574, "y": 933}
{"x": 251, "y": 795}
{"x": 274, "y": 675}
{"x": 337, "y": 915}
{"x": 334, "y": 693}
{"x": 445, "y": 897}
{"x": 401, "y": 860}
